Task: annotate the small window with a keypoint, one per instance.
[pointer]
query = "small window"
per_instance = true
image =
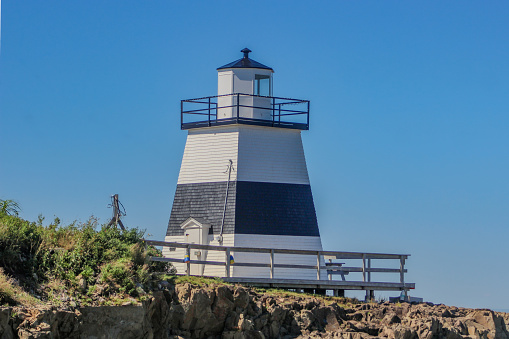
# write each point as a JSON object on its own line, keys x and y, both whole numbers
{"x": 262, "y": 85}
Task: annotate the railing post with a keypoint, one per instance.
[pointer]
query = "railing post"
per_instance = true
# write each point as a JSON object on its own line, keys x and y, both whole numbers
{"x": 273, "y": 110}
{"x": 181, "y": 113}
{"x": 188, "y": 255}
{"x": 402, "y": 274}
{"x": 369, "y": 293}
{"x": 363, "y": 267}
{"x": 318, "y": 265}
{"x": 209, "y": 111}
{"x": 272, "y": 264}
{"x": 238, "y": 106}
{"x": 369, "y": 271}
{"x": 227, "y": 261}
{"x": 308, "y": 116}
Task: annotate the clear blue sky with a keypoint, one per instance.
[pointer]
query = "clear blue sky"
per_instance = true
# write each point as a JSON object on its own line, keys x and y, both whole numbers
{"x": 408, "y": 150}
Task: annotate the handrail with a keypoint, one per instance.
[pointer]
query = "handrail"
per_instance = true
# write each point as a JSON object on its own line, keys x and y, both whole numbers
{"x": 338, "y": 254}
{"x": 209, "y": 106}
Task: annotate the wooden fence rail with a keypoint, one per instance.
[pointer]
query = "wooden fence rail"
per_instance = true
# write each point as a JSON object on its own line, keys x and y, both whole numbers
{"x": 330, "y": 267}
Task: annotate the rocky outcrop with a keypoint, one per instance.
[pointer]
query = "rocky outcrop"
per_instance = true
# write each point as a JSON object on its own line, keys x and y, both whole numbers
{"x": 235, "y": 312}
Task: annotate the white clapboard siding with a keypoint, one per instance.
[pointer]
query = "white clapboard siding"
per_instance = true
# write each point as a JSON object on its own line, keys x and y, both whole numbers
{"x": 178, "y": 253}
{"x": 277, "y": 241}
{"x": 217, "y": 271}
{"x": 207, "y": 154}
{"x": 209, "y": 270}
{"x": 269, "y": 154}
{"x": 259, "y": 154}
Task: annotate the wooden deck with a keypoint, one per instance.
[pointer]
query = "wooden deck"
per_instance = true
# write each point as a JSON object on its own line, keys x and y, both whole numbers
{"x": 321, "y": 284}
{"x": 332, "y": 268}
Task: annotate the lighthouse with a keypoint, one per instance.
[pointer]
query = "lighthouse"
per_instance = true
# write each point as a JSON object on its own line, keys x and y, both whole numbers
{"x": 243, "y": 180}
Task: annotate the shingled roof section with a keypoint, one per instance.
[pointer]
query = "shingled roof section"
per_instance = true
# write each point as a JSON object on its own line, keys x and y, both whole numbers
{"x": 245, "y": 62}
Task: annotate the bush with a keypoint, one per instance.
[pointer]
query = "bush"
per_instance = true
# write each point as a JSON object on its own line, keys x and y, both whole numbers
{"x": 34, "y": 253}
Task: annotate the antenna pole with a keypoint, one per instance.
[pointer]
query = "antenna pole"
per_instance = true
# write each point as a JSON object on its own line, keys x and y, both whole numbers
{"x": 230, "y": 167}
{"x": 117, "y": 214}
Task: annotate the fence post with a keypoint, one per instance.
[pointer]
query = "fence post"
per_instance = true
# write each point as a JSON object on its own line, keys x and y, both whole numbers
{"x": 227, "y": 261}
{"x": 363, "y": 267}
{"x": 369, "y": 292}
{"x": 318, "y": 265}
{"x": 188, "y": 254}
{"x": 402, "y": 274}
{"x": 272, "y": 264}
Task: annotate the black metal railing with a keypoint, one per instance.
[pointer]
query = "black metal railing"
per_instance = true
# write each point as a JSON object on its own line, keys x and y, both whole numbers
{"x": 247, "y": 109}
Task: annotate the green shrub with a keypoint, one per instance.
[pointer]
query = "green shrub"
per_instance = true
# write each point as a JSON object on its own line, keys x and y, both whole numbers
{"x": 34, "y": 253}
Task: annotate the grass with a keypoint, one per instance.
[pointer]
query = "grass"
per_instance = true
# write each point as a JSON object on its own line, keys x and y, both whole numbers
{"x": 198, "y": 281}
{"x": 11, "y": 294}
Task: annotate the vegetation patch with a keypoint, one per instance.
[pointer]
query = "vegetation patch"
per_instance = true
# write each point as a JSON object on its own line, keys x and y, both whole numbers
{"x": 81, "y": 263}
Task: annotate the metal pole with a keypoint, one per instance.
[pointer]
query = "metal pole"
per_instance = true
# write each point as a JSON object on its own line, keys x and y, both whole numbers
{"x": 181, "y": 113}
{"x": 238, "y": 106}
{"x": 308, "y": 116}
{"x": 209, "y": 111}
{"x": 230, "y": 166}
{"x": 273, "y": 110}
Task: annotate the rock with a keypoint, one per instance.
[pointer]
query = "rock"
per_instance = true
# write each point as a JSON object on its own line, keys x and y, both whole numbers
{"x": 5, "y": 329}
{"x": 390, "y": 319}
{"x": 307, "y": 318}
{"x": 241, "y": 297}
{"x": 187, "y": 311}
{"x": 332, "y": 323}
{"x": 245, "y": 324}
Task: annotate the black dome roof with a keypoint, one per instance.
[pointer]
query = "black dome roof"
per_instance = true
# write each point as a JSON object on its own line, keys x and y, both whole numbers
{"x": 245, "y": 62}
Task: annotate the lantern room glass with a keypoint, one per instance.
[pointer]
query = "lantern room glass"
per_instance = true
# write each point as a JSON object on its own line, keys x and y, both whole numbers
{"x": 262, "y": 85}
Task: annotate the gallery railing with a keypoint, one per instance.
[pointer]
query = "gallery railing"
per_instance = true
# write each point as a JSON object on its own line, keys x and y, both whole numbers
{"x": 247, "y": 109}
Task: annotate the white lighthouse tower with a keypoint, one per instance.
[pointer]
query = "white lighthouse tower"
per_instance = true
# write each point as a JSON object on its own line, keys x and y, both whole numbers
{"x": 243, "y": 180}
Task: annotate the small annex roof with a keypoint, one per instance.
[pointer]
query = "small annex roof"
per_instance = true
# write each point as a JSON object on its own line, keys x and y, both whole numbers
{"x": 191, "y": 221}
{"x": 245, "y": 62}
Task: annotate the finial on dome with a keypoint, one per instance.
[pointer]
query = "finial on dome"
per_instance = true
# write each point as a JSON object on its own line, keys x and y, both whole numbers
{"x": 246, "y": 52}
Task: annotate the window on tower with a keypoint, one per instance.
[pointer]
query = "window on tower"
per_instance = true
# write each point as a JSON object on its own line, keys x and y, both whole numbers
{"x": 262, "y": 85}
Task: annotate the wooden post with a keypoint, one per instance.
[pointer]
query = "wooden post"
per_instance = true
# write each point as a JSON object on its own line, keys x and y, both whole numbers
{"x": 272, "y": 264}
{"x": 188, "y": 254}
{"x": 227, "y": 261}
{"x": 363, "y": 267}
{"x": 318, "y": 265}
{"x": 402, "y": 275}
{"x": 369, "y": 266}
{"x": 370, "y": 292}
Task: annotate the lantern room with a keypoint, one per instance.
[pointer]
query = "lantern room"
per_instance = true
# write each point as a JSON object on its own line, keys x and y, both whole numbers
{"x": 244, "y": 96}
{"x": 252, "y": 81}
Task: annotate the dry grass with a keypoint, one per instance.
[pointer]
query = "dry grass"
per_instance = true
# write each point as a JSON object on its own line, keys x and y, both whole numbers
{"x": 12, "y": 294}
